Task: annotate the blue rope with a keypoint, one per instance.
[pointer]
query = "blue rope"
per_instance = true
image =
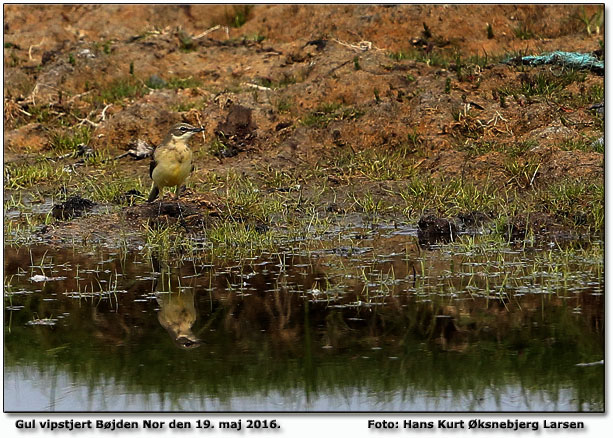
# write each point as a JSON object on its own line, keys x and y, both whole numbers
{"x": 568, "y": 59}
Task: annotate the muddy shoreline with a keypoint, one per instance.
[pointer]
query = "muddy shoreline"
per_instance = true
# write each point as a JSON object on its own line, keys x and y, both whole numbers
{"x": 437, "y": 131}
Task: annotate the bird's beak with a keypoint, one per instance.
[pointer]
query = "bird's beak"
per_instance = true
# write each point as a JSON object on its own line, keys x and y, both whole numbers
{"x": 197, "y": 129}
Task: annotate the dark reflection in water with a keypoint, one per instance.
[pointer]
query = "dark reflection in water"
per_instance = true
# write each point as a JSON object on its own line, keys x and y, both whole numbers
{"x": 177, "y": 315}
{"x": 320, "y": 331}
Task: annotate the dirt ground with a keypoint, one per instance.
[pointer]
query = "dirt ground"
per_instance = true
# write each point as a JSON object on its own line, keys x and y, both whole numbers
{"x": 289, "y": 86}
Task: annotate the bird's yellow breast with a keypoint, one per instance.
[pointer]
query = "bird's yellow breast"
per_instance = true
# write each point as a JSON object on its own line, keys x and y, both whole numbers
{"x": 174, "y": 164}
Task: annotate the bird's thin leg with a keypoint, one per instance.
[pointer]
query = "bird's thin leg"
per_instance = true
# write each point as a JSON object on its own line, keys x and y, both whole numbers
{"x": 177, "y": 190}
{"x": 161, "y": 194}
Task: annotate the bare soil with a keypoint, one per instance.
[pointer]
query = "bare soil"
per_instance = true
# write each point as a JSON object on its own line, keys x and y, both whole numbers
{"x": 262, "y": 87}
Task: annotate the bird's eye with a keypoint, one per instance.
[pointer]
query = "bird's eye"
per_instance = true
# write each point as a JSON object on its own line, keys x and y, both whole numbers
{"x": 183, "y": 128}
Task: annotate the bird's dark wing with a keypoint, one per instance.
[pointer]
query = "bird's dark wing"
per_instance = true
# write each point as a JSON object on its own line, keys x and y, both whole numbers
{"x": 152, "y": 166}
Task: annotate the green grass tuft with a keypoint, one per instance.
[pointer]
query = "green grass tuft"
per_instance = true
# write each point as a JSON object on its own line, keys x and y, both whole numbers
{"x": 68, "y": 140}
{"x": 328, "y": 112}
{"x": 119, "y": 89}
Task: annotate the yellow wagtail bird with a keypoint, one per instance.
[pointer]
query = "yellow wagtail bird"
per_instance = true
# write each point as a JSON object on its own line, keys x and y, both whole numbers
{"x": 171, "y": 162}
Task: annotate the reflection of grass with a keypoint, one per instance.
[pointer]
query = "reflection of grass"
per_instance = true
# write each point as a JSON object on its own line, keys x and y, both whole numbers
{"x": 23, "y": 231}
{"x": 549, "y": 271}
{"x": 226, "y": 240}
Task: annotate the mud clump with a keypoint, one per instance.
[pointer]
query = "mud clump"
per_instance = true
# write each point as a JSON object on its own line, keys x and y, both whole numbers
{"x": 174, "y": 209}
{"x": 73, "y": 207}
{"x": 131, "y": 197}
{"x": 433, "y": 230}
{"x": 473, "y": 219}
{"x": 193, "y": 214}
{"x": 540, "y": 224}
{"x": 437, "y": 226}
{"x": 236, "y": 133}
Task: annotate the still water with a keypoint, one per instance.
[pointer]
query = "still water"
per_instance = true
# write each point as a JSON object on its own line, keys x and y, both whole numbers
{"x": 384, "y": 325}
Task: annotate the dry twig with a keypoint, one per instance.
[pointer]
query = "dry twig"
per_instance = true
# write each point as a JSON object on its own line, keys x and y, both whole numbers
{"x": 212, "y": 29}
{"x": 103, "y": 114}
{"x": 257, "y": 87}
{"x": 362, "y": 46}
{"x": 34, "y": 45}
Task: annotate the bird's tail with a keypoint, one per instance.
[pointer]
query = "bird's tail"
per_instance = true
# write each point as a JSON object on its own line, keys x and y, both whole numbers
{"x": 154, "y": 193}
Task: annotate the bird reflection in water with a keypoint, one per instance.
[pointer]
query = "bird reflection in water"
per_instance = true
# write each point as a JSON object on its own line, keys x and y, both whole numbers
{"x": 177, "y": 315}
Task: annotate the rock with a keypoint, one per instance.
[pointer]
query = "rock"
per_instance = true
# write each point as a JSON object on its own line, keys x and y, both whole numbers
{"x": 155, "y": 81}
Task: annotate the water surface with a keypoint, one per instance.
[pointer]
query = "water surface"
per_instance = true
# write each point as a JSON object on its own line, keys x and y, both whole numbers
{"x": 378, "y": 325}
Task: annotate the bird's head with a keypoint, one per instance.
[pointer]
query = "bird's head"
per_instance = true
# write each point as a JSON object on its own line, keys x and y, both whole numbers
{"x": 184, "y": 131}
